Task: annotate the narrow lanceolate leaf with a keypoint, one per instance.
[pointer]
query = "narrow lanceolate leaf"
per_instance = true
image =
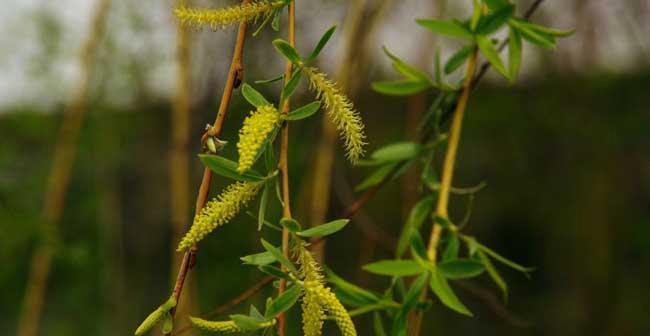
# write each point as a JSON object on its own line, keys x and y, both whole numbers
{"x": 452, "y": 247}
{"x": 303, "y": 112}
{"x": 228, "y": 168}
{"x": 246, "y": 323}
{"x": 408, "y": 304}
{"x": 545, "y": 30}
{"x": 503, "y": 259}
{"x": 277, "y": 254}
{"x": 417, "y": 216}
{"x": 291, "y": 85}
{"x": 287, "y": 50}
{"x": 359, "y": 295}
{"x": 404, "y": 87}
{"x": 446, "y": 28}
{"x": 324, "y": 229}
{"x": 491, "y": 23}
{"x": 259, "y": 259}
{"x": 395, "y": 267}
{"x": 290, "y": 224}
{"x": 460, "y": 268}
{"x": 399, "y": 151}
{"x": 264, "y": 200}
{"x": 514, "y": 53}
{"x": 253, "y": 96}
{"x": 538, "y": 38}
{"x": 494, "y": 274}
{"x": 274, "y": 271}
{"x": 491, "y": 54}
{"x": 406, "y": 69}
{"x": 321, "y": 43}
{"x": 457, "y": 59}
{"x": 285, "y": 301}
{"x": 378, "y": 325}
{"x": 443, "y": 291}
{"x": 376, "y": 177}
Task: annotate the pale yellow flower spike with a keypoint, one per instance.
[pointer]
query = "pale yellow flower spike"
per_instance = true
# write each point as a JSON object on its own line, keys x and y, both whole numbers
{"x": 253, "y": 134}
{"x": 219, "y": 18}
{"x": 219, "y": 211}
{"x": 341, "y": 111}
{"x": 319, "y": 298}
{"x": 223, "y": 327}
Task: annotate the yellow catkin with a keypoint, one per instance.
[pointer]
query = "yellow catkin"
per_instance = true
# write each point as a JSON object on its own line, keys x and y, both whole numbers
{"x": 155, "y": 317}
{"x": 341, "y": 111}
{"x": 219, "y": 18}
{"x": 219, "y": 211}
{"x": 254, "y": 133}
{"x": 318, "y": 299}
{"x": 223, "y": 327}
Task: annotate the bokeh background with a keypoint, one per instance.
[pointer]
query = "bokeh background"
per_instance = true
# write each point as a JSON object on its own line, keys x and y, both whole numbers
{"x": 564, "y": 153}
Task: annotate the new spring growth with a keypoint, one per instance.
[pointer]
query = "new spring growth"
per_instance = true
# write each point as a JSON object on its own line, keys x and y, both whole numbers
{"x": 224, "y": 327}
{"x": 219, "y": 18}
{"x": 155, "y": 317}
{"x": 318, "y": 299}
{"x": 219, "y": 211}
{"x": 341, "y": 112}
{"x": 254, "y": 133}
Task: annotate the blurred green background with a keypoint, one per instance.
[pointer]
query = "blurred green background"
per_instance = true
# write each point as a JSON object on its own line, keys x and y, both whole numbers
{"x": 564, "y": 154}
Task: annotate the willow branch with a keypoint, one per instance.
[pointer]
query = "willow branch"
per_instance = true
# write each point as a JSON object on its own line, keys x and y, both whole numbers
{"x": 284, "y": 157}
{"x": 234, "y": 78}
{"x": 59, "y": 179}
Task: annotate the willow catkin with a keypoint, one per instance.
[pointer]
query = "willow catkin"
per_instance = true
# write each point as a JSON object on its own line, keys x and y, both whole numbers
{"x": 341, "y": 111}
{"x": 254, "y": 133}
{"x": 223, "y": 327}
{"x": 219, "y": 18}
{"x": 155, "y": 317}
{"x": 219, "y": 211}
{"x": 319, "y": 299}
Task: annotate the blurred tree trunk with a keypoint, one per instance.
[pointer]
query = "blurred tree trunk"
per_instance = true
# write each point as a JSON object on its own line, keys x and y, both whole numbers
{"x": 59, "y": 179}
{"x": 363, "y": 17}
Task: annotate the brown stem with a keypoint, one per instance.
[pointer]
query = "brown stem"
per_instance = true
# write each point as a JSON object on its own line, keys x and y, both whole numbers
{"x": 59, "y": 180}
{"x": 235, "y": 74}
{"x": 283, "y": 163}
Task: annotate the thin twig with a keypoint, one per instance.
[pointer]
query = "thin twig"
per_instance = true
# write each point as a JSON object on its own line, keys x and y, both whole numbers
{"x": 59, "y": 180}
{"x": 235, "y": 74}
{"x": 284, "y": 158}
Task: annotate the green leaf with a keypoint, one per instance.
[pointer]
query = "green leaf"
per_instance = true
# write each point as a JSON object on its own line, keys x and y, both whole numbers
{"x": 394, "y": 267}
{"x": 404, "y": 87}
{"x": 259, "y": 259}
{"x": 417, "y": 216}
{"x": 406, "y": 69}
{"x": 514, "y": 53}
{"x": 545, "y": 30}
{"x": 494, "y": 274}
{"x": 452, "y": 248}
{"x": 274, "y": 271}
{"x": 377, "y": 177}
{"x": 271, "y": 80}
{"x": 447, "y": 28}
{"x": 168, "y": 324}
{"x": 488, "y": 50}
{"x": 378, "y": 325}
{"x": 443, "y": 291}
{"x": 538, "y": 38}
{"x": 409, "y": 303}
{"x": 254, "y": 313}
{"x": 321, "y": 43}
{"x": 277, "y": 254}
{"x": 287, "y": 50}
{"x": 491, "y": 23}
{"x": 253, "y": 96}
{"x": 291, "y": 85}
{"x": 495, "y": 5}
{"x": 283, "y": 302}
{"x": 304, "y": 111}
{"x": 458, "y": 58}
{"x": 245, "y": 322}
{"x": 503, "y": 260}
{"x": 264, "y": 200}
{"x": 324, "y": 229}
{"x": 477, "y": 10}
{"x": 275, "y": 24}
{"x": 460, "y": 268}
{"x": 360, "y": 296}
{"x": 399, "y": 151}
{"x": 291, "y": 224}
{"x": 228, "y": 168}
{"x": 418, "y": 249}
